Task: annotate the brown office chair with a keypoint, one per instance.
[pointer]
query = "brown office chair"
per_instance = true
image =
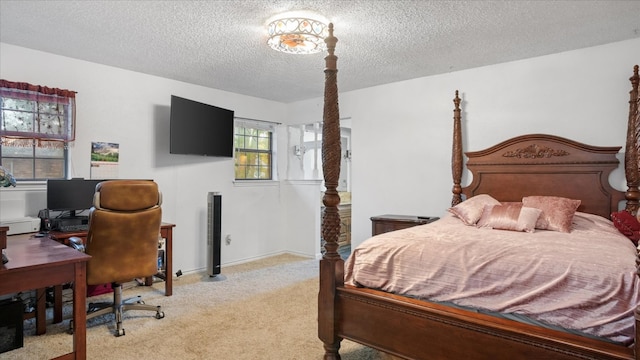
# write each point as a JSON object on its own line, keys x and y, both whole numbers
{"x": 124, "y": 226}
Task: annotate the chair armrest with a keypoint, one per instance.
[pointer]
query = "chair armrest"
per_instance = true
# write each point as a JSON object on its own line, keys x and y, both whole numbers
{"x": 76, "y": 243}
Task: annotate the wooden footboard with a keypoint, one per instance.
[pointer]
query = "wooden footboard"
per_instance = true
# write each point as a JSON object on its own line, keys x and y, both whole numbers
{"x": 414, "y": 329}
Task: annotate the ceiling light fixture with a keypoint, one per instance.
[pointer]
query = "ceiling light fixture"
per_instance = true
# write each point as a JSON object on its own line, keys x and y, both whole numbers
{"x": 297, "y": 35}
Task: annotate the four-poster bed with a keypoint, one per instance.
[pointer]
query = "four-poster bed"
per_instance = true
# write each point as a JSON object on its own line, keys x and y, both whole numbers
{"x": 534, "y": 164}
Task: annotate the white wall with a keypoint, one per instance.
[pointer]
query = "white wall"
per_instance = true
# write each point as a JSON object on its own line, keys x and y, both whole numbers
{"x": 132, "y": 109}
{"x": 401, "y": 138}
{"x": 304, "y": 200}
{"x": 402, "y": 132}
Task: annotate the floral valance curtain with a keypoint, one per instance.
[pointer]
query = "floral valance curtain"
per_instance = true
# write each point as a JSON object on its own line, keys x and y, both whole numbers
{"x": 34, "y": 112}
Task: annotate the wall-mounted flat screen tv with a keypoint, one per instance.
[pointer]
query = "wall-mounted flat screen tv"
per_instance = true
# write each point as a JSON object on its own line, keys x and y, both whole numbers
{"x": 200, "y": 129}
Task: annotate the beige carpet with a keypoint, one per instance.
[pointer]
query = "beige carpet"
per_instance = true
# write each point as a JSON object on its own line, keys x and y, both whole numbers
{"x": 266, "y": 309}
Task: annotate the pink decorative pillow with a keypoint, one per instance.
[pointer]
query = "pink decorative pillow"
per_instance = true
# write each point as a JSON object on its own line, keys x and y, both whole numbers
{"x": 557, "y": 212}
{"x": 470, "y": 210}
{"x": 512, "y": 216}
{"x": 627, "y": 224}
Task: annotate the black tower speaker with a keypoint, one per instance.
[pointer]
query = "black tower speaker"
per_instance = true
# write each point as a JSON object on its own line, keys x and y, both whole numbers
{"x": 214, "y": 232}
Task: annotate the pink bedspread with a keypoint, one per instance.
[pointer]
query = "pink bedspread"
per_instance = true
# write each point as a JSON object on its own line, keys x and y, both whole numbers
{"x": 584, "y": 280}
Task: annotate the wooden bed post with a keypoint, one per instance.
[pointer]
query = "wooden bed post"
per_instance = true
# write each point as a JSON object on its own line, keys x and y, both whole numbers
{"x": 632, "y": 173}
{"x": 632, "y": 194}
{"x": 456, "y": 156}
{"x": 331, "y": 265}
{"x": 632, "y": 147}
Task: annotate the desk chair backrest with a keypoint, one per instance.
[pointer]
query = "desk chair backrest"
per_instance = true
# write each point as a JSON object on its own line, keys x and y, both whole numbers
{"x": 124, "y": 226}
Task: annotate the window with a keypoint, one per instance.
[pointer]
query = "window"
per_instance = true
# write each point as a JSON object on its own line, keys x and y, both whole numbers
{"x": 36, "y": 124}
{"x": 253, "y": 142}
{"x": 32, "y": 162}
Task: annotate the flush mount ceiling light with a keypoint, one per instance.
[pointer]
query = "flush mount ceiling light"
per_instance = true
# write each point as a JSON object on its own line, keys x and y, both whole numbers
{"x": 297, "y": 35}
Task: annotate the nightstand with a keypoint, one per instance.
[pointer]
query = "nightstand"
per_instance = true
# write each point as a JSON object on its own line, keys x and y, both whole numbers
{"x": 385, "y": 223}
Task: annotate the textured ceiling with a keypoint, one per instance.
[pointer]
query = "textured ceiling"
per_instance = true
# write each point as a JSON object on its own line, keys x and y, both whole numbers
{"x": 222, "y": 44}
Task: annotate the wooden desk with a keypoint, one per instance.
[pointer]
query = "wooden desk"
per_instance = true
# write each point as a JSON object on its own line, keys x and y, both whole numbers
{"x": 40, "y": 262}
{"x": 166, "y": 231}
{"x": 3, "y": 237}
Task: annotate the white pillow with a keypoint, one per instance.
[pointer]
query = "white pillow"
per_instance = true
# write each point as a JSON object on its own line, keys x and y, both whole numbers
{"x": 470, "y": 210}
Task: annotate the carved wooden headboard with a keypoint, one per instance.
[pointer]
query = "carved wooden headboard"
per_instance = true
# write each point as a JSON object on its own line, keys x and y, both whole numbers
{"x": 540, "y": 164}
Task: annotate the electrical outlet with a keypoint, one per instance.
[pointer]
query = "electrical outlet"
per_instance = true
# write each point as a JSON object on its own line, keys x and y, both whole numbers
{"x": 227, "y": 239}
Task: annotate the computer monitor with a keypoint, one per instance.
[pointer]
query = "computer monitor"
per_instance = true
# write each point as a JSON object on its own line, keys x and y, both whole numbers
{"x": 70, "y": 195}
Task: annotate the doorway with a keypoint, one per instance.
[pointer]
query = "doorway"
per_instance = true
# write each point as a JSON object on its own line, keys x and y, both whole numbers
{"x": 307, "y": 147}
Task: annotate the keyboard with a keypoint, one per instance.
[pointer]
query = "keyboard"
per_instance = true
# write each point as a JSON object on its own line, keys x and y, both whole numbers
{"x": 73, "y": 228}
